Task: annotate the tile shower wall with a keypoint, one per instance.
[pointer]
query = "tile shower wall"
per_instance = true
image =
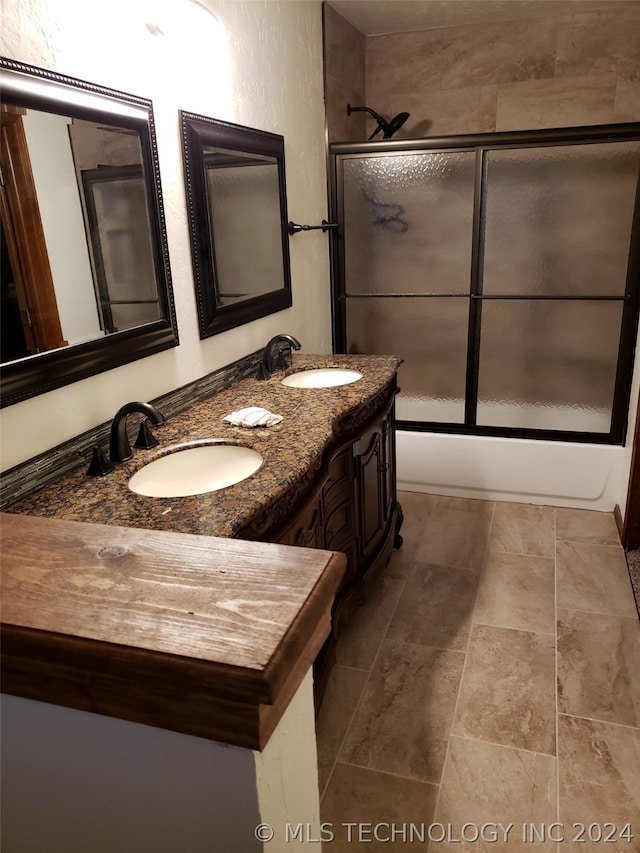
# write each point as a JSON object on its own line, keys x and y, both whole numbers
{"x": 545, "y": 71}
{"x": 550, "y": 71}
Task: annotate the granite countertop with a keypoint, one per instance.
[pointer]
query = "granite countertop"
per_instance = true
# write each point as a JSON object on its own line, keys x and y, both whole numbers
{"x": 289, "y": 450}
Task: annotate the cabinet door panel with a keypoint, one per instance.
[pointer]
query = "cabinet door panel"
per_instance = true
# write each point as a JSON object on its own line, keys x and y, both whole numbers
{"x": 339, "y": 485}
{"x": 368, "y": 465}
{"x": 339, "y": 526}
{"x": 306, "y": 530}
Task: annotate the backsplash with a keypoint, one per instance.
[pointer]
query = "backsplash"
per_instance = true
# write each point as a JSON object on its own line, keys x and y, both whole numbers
{"x": 23, "y": 479}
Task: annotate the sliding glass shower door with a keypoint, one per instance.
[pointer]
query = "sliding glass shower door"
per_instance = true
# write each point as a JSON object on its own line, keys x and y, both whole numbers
{"x": 404, "y": 285}
{"x": 503, "y": 269}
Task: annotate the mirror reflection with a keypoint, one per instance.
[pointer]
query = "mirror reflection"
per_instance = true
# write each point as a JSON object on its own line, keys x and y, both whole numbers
{"x": 85, "y": 275}
{"x": 241, "y": 189}
{"x": 89, "y": 214}
{"x": 235, "y": 181}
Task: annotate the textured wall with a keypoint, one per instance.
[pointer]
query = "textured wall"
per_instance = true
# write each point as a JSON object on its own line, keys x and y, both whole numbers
{"x": 264, "y": 71}
{"x": 344, "y": 58}
{"x": 548, "y": 71}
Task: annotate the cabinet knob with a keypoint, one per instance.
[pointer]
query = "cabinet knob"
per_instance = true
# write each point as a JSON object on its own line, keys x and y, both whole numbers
{"x": 383, "y": 467}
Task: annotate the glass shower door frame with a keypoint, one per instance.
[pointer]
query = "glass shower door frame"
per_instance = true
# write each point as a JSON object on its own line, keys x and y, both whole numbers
{"x": 483, "y": 145}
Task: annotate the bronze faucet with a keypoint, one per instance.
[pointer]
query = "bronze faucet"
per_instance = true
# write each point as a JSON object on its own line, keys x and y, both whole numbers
{"x": 267, "y": 366}
{"x": 119, "y": 447}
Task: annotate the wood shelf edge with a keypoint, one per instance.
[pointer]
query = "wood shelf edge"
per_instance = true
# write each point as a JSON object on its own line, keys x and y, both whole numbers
{"x": 205, "y": 698}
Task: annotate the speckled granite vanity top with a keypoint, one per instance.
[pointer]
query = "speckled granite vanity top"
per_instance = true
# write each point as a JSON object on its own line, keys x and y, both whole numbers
{"x": 289, "y": 450}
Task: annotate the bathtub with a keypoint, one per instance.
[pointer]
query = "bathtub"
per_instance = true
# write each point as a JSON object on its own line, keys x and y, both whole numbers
{"x": 592, "y": 476}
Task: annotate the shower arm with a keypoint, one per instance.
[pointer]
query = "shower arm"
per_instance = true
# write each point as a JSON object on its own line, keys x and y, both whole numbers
{"x": 388, "y": 128}
{"x": 294, "y": 228}
{"x": 381, "y": 123}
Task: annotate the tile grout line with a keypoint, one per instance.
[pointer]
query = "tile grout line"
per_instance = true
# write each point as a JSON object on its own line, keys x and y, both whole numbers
{"x": 522, "y": 554}
{"x": 390, "y": 773}
{"x": 346, "y": 732}
{"x": 504, "y": 745}
{"x": 602, "y": 722}
{"x": 589, "y": 542}
{"x": 369, "y": 673}
{"x": 601, "y": 611}
{"x": 608, "y": 613}
{"x": 464, "y": 664}
{"x": 511, "y": 628}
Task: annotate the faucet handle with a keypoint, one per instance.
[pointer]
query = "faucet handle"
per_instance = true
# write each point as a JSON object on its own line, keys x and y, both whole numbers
{"x": 262, "y": 373}
{"x": 99, "y": 465}
{"x": 282, "y": 361}
{"x": 146, "y": 439}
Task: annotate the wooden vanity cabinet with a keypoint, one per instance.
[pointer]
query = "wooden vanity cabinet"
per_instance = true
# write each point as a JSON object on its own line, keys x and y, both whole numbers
{"x": 353, "y": 504}
{"x": 306, "y": 530}
{"x": 327, "y": 518}
{"x": 350, "y": 506}
{"x": 339, "y": 512}
{"x": 374, "y": 487}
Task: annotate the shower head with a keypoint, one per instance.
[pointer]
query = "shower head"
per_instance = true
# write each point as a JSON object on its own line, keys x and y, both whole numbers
{"x": 388, "y": 128}
{"x": 394, "y": 124}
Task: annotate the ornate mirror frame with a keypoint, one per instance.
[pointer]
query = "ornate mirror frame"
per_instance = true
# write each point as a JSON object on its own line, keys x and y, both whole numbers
{"x": 234, "y": 145}
{"x": 28, "y": 86}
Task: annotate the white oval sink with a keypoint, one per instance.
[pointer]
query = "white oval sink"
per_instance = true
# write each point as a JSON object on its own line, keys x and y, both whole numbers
{"x": 324, "y": 377}
{"x": 195, "y": 470}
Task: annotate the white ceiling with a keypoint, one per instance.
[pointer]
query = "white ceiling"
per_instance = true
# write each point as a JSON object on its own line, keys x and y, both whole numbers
{"x": 375, "y": 17}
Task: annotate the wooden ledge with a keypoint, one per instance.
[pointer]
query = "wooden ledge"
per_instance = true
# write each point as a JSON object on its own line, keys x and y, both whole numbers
{"x": 206, "y": 636}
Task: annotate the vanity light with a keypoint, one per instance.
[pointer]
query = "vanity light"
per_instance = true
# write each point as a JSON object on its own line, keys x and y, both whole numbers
{"x": 192, "y": 54}
{"x": 178, "y": 20}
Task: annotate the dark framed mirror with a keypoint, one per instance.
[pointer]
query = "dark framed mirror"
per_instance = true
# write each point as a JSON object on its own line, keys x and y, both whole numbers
{"x": 86, "y": 283}
{"x": 236, "y": 195}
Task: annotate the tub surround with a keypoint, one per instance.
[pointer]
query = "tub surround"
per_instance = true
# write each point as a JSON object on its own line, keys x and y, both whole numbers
{"x": 292, "y": 452}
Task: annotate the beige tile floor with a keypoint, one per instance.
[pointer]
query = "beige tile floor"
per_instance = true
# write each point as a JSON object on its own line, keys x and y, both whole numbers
{"x": 493, "y": 677}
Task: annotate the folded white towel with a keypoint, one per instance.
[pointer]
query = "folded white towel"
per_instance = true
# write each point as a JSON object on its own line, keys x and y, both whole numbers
{"x": 253, "y": 416}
